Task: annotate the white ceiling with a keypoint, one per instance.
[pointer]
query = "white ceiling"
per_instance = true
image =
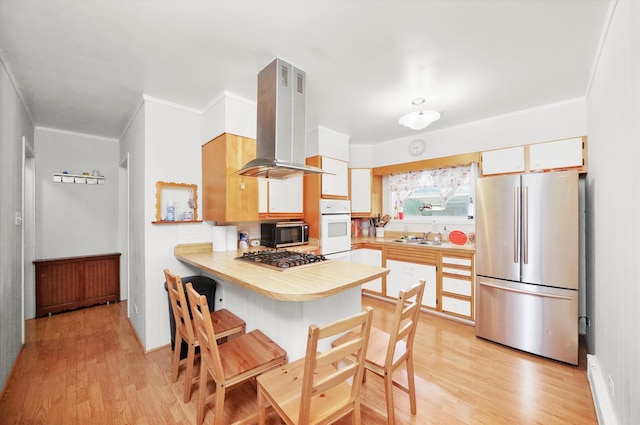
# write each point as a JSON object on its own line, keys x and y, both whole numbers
{"x": 83, "y": 66}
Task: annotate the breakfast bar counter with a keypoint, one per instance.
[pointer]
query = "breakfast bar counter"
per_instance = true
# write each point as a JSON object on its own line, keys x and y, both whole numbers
{"x": 282, "y": 303}
{"x": 302, "y": 283}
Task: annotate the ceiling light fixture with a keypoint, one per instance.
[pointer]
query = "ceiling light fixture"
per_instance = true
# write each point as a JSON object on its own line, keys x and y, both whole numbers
{"x": 418, "y": 119}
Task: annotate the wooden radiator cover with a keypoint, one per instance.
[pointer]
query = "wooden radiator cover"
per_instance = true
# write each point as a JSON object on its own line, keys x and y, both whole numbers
{"x": 74, "y": 282}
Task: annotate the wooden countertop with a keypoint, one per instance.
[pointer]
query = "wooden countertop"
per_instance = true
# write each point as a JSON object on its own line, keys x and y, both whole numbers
{"x": 387, "y": 240}
{"x": 298, "y": 284}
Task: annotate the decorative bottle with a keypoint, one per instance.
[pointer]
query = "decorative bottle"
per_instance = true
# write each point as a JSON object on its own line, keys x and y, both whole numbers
{"x": 171, "y": 212}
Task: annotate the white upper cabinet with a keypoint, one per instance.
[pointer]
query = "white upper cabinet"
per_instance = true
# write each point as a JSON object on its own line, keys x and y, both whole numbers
{"x": 335, "y": 182}
{"x": 546, "y": 156}
{"x": 560, "y": 154}
{"x": 280, "y": 196}
{"x": 502, "y": 161}
{"x": 360, "y": 190}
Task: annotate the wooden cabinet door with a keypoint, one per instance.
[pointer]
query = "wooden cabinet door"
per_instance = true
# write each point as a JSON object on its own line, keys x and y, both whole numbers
{"x": 227, "y": 197}
{"x": 58, "y": 287}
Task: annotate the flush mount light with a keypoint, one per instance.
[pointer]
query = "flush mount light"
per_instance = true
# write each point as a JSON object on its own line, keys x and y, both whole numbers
{"x": 418, "y": 119}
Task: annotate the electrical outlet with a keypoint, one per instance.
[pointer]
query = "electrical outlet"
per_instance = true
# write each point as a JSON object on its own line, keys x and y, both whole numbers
{"x": 611, "y": 387}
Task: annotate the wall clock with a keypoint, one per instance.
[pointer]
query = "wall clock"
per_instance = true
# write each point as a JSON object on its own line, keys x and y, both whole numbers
{"x": 416, "y": 147}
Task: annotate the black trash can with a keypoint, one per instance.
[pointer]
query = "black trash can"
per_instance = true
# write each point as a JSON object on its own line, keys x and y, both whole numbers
{"x": 205, "y": 286}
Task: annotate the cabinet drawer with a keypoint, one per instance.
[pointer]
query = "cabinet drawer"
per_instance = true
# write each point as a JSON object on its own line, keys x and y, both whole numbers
{"x": 459, "y": 272}
{"x": 457, "y": 306}
{"x": 456, "y": 261}
{"x": 456, "y": 286}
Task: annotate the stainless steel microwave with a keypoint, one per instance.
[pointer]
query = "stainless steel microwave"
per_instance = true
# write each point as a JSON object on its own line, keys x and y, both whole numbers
{"x": 283, "y": 234}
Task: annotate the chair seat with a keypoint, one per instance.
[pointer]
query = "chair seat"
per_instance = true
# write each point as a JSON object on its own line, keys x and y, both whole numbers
{"x": 240, "y": 356}
{"x": 377, "y": 349}
{"x": 225, "y": 323}
{"x": 285, "y": 385}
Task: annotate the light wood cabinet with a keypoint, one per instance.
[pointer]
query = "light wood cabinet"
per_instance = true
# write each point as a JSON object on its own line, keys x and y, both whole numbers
{"x": 457, "y": 285}
{"x": 315, "y": 188}
{"x": 370, "y": 257}
{"x": 74, "y": 282}
{"x": 227, "y": 197}
{"x": 281, "y": 199}
{"x": 449, "y": 276}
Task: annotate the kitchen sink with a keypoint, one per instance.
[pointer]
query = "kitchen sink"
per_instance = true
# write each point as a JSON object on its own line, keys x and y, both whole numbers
{"x": 405, "y": 240}
{"x": 432, "y": 243}
{"x": 417, "y": 242}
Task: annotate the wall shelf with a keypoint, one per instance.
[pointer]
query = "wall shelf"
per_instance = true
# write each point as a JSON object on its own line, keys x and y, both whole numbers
{"x": 182, "y": 197}
{"x": 77, "y": 178}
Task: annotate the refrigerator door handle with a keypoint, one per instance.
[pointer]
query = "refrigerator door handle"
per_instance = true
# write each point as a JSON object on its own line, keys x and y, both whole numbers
{"x": 516, "y": 201}
{"x": 525, "y": 225}
{"x": 504, "y": 288}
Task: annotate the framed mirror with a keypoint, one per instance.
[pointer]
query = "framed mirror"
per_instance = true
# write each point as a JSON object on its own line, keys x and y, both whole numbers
{"x": 176, "y": 202}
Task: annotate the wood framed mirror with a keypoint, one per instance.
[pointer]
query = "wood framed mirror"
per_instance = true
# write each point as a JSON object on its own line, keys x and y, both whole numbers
{"x": 176, "y": 202}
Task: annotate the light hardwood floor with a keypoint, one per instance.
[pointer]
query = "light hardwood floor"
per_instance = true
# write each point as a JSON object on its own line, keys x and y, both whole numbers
{"x": 87, "y": 367}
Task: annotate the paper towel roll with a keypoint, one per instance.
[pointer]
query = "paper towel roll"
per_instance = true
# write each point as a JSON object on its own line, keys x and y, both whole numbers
{"x": 219, "y": 238}
{"x": 232, "y": 238}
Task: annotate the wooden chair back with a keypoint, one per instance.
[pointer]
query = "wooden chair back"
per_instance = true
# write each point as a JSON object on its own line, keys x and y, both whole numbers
{"x": 203, "y": 326}
{"x": 405, "y": 321}
{"x": 349, "y": 359}
{"x": 180, "y": 308}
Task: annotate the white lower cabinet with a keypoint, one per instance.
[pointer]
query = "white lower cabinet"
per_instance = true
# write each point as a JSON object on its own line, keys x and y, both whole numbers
{"x": 404, "y": 275}
{"x": 370, "y": 257}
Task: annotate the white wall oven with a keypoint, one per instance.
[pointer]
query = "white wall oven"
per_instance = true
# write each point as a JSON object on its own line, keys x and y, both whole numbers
{"x": 335, "y": 229}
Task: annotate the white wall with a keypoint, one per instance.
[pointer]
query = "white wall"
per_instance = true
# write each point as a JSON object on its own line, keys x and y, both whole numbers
{"x": 614, "y": 206}
{"x": 75, "y": 219}
{"x": 545, "y": 123}
{"x": 172, "y": 154}
{"x": 15, "y": 124}
{"x": 132, "y": 151}
{"x": 229, "y": 113}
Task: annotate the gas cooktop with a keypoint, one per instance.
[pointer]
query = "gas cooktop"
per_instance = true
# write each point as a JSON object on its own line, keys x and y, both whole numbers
{"x": 282, "y": 260}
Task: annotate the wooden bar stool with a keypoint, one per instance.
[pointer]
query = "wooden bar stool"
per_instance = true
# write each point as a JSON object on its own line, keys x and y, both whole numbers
{"x": 225, "y": 322}
{"x": 238, "y": 360}
{"x": 387, "y": 351}
{"x": 323, "y": 386}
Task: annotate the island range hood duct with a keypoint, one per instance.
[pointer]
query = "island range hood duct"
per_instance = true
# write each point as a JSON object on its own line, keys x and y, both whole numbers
{"x": 280, "y": 149}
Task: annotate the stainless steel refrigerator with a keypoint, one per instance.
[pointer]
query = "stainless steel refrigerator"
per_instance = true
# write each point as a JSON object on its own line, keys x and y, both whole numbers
{"x": 527, "y": 262}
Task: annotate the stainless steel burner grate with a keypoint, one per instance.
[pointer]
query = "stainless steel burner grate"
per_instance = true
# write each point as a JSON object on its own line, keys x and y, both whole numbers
{"x": 281, "y": 259}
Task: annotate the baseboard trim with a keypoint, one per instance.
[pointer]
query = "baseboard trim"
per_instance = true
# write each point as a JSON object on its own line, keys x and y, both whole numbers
{"x": 601, "y": 400}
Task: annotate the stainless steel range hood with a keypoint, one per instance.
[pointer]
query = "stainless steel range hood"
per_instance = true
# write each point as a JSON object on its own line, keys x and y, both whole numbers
{"x": 280, "y": 151}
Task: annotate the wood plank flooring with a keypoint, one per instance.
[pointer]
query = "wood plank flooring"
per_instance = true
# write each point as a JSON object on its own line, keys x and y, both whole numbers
{"x": 87, "y": 366}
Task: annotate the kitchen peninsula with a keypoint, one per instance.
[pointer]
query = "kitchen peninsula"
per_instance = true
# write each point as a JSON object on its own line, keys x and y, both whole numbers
{"x": 282, "y": 303}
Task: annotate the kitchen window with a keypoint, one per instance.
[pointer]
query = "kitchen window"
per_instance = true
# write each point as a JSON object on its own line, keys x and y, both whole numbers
{"x": 422, "y": 194}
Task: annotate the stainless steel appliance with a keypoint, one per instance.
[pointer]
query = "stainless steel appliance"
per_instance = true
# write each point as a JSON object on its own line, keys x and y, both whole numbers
{"x": 281, "y": 127}
{"x": 335, "y": 229}
{"x": 284, "y": 234}
{"x": 281, "y": 260}
{"x": 527, "y": 262}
